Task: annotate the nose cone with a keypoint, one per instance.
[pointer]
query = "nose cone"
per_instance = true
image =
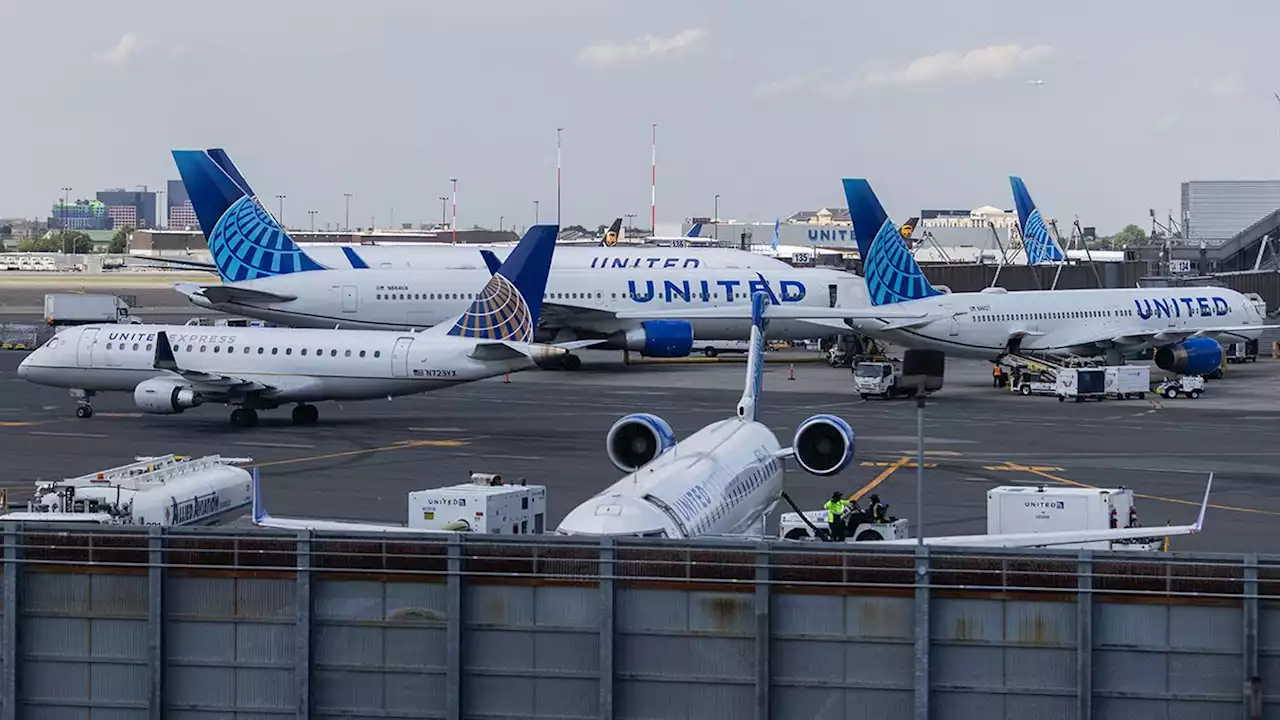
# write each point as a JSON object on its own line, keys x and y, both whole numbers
{"x": 24, "y": 366}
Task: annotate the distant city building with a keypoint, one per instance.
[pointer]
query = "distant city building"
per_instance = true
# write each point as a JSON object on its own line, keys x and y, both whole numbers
{"x": 176, "y": 194}
{"x": 123, "y": 216}
{"x": 981, "y": 217}
{"x": 142, "y": 201}
{"x": 182, "y": 217}
{"x": 822, "y": 216}
{"x": 80, "y": 215}
{"x": 1214, "y": 211}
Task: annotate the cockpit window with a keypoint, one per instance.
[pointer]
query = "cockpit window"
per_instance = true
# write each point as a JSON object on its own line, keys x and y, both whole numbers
{"x": 53, "y": 343}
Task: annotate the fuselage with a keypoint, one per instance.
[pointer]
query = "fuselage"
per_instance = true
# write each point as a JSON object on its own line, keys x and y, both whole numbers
{"x": 432, "y": 256}
{"x": 403, "y": 299}
{"x": 1069, "y": 320}
{"x": 302, "y": 365}
{"x": 723, "y": 479}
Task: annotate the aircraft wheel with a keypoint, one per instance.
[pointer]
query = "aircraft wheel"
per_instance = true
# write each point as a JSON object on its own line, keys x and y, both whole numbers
{"x": 305, "y": 415}
{"x": 571, "y": 362}
{"x": 244, "y": 417}
{"x": 84, "y": 412}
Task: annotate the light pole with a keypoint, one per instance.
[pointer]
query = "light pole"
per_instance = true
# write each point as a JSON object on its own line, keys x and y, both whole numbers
{"x": 1277, "y": 96}
{"x": 444, "y": 210}
{"x": 454, "y": 224}
{"x": 500, "y": 219}
{"x": 66, "y": 201}
{"x": 161, "y": 215}
{"x": 715, "y": 228}
{"x": 312, "y": 213}
{"x": 631, "y": 220}
{"x": 535, "y": 212}
{"x": 346, "y": 224}
{"x": 280, "y": 219}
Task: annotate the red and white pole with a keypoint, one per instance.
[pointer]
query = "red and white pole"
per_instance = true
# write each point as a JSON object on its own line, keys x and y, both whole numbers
{"x": 653, "y": 180}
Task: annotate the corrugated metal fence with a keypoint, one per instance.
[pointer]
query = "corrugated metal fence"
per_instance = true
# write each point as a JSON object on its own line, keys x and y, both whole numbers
{"x": 209, "y": 624}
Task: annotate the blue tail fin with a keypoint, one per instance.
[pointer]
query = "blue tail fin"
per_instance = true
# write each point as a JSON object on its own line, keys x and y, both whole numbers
{"x": 1036, "y": 239}
{"x": 245, "y": 240}
{"x": 259, "y": 507}
{"x": 747, "y": 406}
{"x": 891, "y": 272}
{"x": 695, "y": 231}
{"x": 510, "y": 303}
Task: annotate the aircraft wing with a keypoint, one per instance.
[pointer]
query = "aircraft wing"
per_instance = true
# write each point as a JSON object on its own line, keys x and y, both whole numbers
{"x": 209, "y": 267}
{"x": 219, "y": 294}
{"x": 743, "y": 312}
{"x": 208, "y": 383}
{"x": 262, "y": 518}
{"x": 1066, "y": 537}
{"x": 1170, "y": 335}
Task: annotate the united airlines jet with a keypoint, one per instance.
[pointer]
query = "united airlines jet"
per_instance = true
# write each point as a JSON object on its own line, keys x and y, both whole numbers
{"x": 1183, "y": 324}
{"x": 1036, "y": 240}
{"x": 172, "y": 368}
{"x": 270, "y": 277}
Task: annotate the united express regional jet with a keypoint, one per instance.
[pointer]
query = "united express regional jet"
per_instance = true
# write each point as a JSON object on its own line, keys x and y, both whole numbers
{"x": 172, "y": 368}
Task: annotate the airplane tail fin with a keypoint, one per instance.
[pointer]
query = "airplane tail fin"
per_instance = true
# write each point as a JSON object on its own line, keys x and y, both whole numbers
{"x": 613, "y": 233}
{"x": 509, "y": 305}
{"x": 748, "y": 405}
{"x": 1036, "y": 239}
{"x": 891, "y": 273}
{"x": 246, "y": 242}
{"x": 695, "y": 231}
{"x": 259, "y": 505}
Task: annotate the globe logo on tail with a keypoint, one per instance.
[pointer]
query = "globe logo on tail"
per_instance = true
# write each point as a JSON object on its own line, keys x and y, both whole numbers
{"x": 499, "y": 312}
{"x": 247, "y": 244}
{"x": 891, "y": 273}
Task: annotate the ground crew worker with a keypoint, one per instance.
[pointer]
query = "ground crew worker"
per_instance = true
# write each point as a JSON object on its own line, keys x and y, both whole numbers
{"x": 877, "y": 509}
{"x": 835, "y": 508}
{"x": 995, "y": 375}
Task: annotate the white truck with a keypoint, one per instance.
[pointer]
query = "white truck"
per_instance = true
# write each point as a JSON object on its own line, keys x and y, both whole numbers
{"x": 1127, "y": 381}
{"x": 85, "y": 309}
{"x": 884, "y": 379}
{"x": 167, "y": 490}
{"x": 484, "y": 505}
{"x": 1081, "y": 384}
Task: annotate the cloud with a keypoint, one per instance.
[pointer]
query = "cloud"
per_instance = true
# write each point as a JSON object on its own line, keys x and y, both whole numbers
{"x": 603, "y": 55}
{"x": 128, "y": 46}
{"x": 1166, "y": 123}
{"x": 993, "y": 61}
{"x": 1224, "y": 86}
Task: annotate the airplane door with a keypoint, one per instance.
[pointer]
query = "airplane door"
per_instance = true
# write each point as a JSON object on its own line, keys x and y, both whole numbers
{"x": 350, "y": 299}
{"x": 832, "y": 294}
{"x": 84, "y": 351}
{"x": 400, "y": 357}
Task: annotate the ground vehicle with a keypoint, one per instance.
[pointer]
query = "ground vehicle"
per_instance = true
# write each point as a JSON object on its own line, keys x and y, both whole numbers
{"x": 1241, "y": 352}
{"x": 1125, "y": 381}
{"x": 1042, "y": 383}
{"x": 791, "y": 526}
{"x": 711, "y": 348}
{"x": 1020, "y": 509}
{"x": 78, "y": 309}
{"x": 1082, "y": 384}
{"x": 1189, "y": 385}
{"x": 880, "y": 378}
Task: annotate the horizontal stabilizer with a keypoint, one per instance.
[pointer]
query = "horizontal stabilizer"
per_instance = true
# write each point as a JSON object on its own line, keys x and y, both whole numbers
{"x": 495, "y": 351}
{"x": 221, "y": 294}
{"x": 208, "y": 267}
{"x": 577, "y": 344}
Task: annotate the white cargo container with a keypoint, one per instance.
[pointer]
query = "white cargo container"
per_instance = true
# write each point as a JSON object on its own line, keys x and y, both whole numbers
{"x": 1018, "y": 509}
{"x": 1125, "y": 381}
{"x": 484, "y": 505}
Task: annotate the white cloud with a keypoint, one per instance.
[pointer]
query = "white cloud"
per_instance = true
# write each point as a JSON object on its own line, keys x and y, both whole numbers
{"x": 602, "y": 55}
{"x": 1166, "y": 123}
{"x": 1224, "y": 86}
{"x": 128, "y": 46}
{"x": 993, "y": 61}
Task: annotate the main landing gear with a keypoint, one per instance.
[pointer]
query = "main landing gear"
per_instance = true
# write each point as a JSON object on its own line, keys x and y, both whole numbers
{"x": 84, "y": 408}
{"x": 305, "y": 415}
{"x": 244, "y": 417}
{"x": 570, "y": 362}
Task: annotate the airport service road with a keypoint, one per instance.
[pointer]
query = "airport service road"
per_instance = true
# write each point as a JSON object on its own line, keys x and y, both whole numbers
{"x": 549, "y": 427}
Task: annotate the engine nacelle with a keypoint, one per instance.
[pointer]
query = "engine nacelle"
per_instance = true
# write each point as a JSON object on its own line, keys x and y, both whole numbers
{"x": 160, "y": 396}
{"x": 824, "y": 445}
{"x": 660, "y": 338}
{"x": 636, "y": 440}
{"x": 1194, "y": 356}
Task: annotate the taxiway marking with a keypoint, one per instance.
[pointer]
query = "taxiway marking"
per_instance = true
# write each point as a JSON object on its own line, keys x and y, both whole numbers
{"x": 402, "y": 445}
{"x": 884, "y": 475}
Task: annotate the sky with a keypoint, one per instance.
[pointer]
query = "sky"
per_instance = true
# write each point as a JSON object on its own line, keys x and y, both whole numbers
{"x": 1103, "y": 107}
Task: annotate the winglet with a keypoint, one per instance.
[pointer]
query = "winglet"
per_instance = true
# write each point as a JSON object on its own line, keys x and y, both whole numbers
{"x": 508, "y": 306}
{"x": 1204, "y": 505}
{"x": 259, "y": 505}
{"x": 747, "y": 406}
{"x": 491, "y": 261}
{"x": 164, "y": 353}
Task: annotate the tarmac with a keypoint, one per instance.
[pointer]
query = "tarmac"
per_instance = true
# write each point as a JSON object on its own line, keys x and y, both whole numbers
{"x": 549, "y": 427}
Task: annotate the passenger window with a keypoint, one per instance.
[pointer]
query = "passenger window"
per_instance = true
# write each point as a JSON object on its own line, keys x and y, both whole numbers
{"x": 348, "y": 353}
{"x": 377, "y": 353}
{"x": 260, "y": 350}
{"x": 361, "y": 353}
{"x": 320, "y": 352}
{"x": 202, "y": 347}
{"x": 188, "y": 348}
{"x": 135, "y": 346}
{"x": 246, "y": 349}
{"x": 148, "y": 347}
{"x": 108, "y": 346}
{"x": 304, "y": 351}
{"x": 333, "y": 353}
{"x": 289, "y": 351}
{"x": 275, "y": 351}
{"x": 217, "y": 348}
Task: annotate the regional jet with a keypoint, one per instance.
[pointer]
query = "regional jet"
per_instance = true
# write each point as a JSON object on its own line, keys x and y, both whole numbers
{"x": 1184, "y": 325}
{"x": 173, "y": 368}
{"x": 272, "y": 278}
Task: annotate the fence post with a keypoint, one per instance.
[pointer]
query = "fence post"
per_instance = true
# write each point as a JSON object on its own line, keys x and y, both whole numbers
{"x": 921, "y": 675}
{"x": 764, "y": 629}
{"x": 155, "y": 621}
{"x": 1252, "y": 679}
{"x": 453, "y": 632}
{"x": 302, "y": 627}
{"x": 1084, "y": 635}
{"x": 608, "y": 555}
{"x": 13, "y": 535}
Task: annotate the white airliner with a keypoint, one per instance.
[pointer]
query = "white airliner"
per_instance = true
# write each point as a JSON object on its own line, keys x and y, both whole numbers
{"x": 171, "y": 368}
{"x": 266, "y": 275}
{"x": 1183, "y": 324}
{"x": 723, "y": 480}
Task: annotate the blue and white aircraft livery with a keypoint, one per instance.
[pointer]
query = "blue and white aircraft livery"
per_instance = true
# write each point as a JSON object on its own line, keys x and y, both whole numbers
{"x": 723, "y": 480}
{"x": 1036, "y": 240}
{"x": 268, "y": 276}
{"x": 1183, "y": 324}
{"x": 172, "y": 368}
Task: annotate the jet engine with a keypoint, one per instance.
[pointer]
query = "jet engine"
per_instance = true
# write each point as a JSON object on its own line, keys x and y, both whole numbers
{"x": 162, "y": 396}
{"x": 1194, "y": 356}
{"x": 636, "y": 440}
{"x": 823, "y": 445}
{"x": 657, "y": 338}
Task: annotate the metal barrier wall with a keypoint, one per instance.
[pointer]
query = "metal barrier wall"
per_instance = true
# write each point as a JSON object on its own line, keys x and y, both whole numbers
{"x": 212, "y": 624}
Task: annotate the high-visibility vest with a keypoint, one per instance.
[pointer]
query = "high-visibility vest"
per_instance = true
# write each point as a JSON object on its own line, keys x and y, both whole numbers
{"x": 835, "y": 508}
